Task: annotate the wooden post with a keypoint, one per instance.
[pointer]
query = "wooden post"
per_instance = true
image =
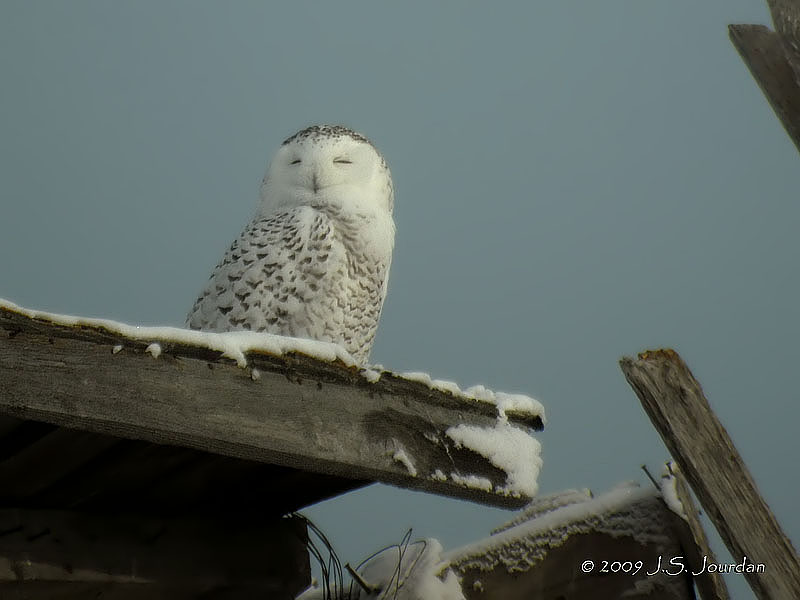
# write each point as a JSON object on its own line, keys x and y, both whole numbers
{"x": 773, "y": 58}
{"x": 674, "y": 401}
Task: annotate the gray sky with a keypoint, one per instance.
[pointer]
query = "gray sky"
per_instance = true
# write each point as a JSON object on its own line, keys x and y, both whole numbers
{"x": 575, "y": 181}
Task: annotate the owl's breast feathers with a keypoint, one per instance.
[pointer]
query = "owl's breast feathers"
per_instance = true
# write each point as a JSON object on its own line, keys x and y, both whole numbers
{"x": 304, "y": 272}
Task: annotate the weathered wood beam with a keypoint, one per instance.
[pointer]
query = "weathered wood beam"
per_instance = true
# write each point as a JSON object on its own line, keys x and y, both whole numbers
{"x": 58, "y": 554}
{"x": 786, "y": 18}
{"x": 300, "y": 412}
{"x": 675, "y": 403}
{"x": 774, "y": 62}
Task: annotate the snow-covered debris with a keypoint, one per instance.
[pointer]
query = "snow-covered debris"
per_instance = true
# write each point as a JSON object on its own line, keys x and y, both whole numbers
{"x": 623, "y": 511}
{"x": 154, "y": 349}
{"x": 407, "y": 572}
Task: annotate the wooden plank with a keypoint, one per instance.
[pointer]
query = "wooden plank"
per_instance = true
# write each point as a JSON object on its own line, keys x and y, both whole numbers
{"x": 710, "y": 585}
{"x": 602, "y": 548}
{"x": 58, "y": 554}
{"x": 764, "y": 54}
{"x": 300, "y": 413}
{"x": 675, "y": 403}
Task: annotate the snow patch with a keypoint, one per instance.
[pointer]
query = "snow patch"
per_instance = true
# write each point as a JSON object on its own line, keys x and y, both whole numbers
{"x": 626, "y": 511}
{"x": 154, "y": 350}
{"x": 371, "y": 375}
{"x": 446, "y": 386}
{"x": 669, "y": 491}
{"x": 403, "y": 458}
{"x": 508, "y": 448}
{"x": 472, "y": 481}
{"x": 417, "y": 376}
{"x": 438, "y": 475}
{"x": 116, "y": 349}
{"x": 545, "y": 504}
{"x": 504, "y": 402}
{"x": 518, "y": 403}
{"x": 233, "y": 344}
{"x": 411, "y": 572}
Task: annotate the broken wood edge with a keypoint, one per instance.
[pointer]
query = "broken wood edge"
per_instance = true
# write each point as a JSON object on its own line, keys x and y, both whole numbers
{"x": 674, "y": 401}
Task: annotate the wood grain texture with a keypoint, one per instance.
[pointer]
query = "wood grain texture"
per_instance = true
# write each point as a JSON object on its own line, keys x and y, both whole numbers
{"x": 55, "y": 554}
{"x": 764, "y": 53}
{"x": 301, "y": 413}
{"x": 674, "y": 401}
{"x": 786, "y": 20}
{"x": 710, "y": 585}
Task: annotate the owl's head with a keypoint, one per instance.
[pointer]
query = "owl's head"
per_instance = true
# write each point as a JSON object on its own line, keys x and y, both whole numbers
{"x": 327, "y": 165}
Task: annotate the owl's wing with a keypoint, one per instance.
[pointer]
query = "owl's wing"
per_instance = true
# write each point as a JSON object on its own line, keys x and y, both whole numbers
{"x": 284, "y": 274}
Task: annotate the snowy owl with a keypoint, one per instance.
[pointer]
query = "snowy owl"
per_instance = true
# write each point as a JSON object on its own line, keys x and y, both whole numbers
{"x": 314, "y": 261}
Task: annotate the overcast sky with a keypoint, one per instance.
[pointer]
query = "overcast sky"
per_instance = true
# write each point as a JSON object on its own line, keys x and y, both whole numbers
{"x": 575, "y": 181}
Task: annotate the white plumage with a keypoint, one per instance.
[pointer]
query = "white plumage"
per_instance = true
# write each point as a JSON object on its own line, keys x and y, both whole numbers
{"x": 314, "y": 261}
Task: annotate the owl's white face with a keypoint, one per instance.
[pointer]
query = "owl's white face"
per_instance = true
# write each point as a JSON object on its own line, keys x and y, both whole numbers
{"x": 327, "y": 166}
